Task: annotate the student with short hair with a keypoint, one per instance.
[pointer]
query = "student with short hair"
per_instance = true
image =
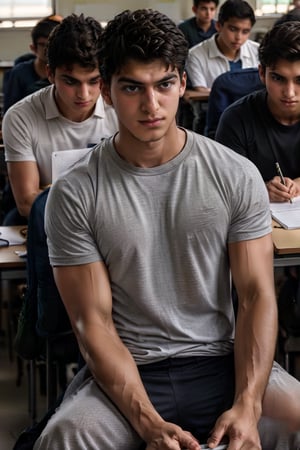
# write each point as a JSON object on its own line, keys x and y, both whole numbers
{"x": 202, "y": 25}
{"x": 265, "y": 126}
{"x": 229, "y": 49}
{"x": 69, "y": 114}
{"x": 25, "y": 76}
{"x": 196, "y": 29}
{"x": 144, "y": 235}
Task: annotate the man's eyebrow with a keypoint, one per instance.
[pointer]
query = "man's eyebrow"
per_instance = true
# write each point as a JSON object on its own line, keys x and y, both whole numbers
{"x": 169, "y": 77}
{"x": 70, "y": 78}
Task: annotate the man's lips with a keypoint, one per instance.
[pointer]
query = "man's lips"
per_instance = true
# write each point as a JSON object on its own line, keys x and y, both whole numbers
{"x": 151, "y": 122}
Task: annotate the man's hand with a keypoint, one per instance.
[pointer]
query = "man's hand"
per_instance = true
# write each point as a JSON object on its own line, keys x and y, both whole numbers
{"x": 171, "y": 437}
{"x": 240, "y": 426}
{"x": 279, "y": 192}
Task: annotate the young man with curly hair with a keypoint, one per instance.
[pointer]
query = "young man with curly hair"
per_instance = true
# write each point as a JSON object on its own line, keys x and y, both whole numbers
{"x": 69, "y": 114}
{"x": 144, "y": 235}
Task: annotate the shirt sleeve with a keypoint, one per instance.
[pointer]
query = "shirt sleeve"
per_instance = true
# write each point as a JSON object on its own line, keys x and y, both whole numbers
{"x": 195, "y": 69}
{"x": 18, "y": 135}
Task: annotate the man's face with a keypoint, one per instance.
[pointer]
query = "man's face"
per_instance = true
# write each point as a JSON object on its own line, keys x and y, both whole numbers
{"x": 76, "y": 91}
{"x": 283, "y": 86}
{"x": 145, "y": 97}
{"x": 233, "y": 34}
{"x": 40, "y": 49}
{"x": 204, "y": 12}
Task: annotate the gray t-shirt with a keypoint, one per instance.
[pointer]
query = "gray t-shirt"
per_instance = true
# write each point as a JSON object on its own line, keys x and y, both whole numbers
{"x": 163, "y": 234}
{"x": 33, "y": 129}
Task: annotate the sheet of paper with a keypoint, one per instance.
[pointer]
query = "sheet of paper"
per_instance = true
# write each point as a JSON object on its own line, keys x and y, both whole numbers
{"x": 63, "y": 160}
{"x": 12, "y": 235}
{"x": 287, "y": 214}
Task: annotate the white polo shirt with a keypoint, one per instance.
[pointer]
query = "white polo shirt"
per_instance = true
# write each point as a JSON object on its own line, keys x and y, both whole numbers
{"x": 33, "y": 128}
{"x": 205, "y": 62}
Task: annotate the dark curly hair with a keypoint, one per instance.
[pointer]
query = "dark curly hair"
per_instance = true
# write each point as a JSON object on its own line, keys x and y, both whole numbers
{"x": 280, "y": 42}
{"x": 143, "y": 35}
{"x": 75, "y": 40}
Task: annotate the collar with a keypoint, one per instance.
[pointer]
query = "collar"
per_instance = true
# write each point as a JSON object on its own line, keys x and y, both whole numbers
{"x": 214, "y": 51}
{"x": 52, "y": 111}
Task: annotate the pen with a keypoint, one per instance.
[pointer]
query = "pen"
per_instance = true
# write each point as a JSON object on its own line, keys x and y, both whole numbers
{"x": 279, "y": 173}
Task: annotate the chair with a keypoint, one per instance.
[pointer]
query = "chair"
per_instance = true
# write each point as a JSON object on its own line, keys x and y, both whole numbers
{"x": 226, "y": 89}
{"x": 44, "y": 330}
{"x": 289, "y": 318}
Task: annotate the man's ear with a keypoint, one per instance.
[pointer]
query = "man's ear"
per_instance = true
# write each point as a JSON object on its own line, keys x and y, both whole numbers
{"x": 262, "y": 73}
{"x": 182, "y": 84}
{"x": 33, "y": 48}
{"x": 218, "y": 26}
{"x": 105, "y": 92}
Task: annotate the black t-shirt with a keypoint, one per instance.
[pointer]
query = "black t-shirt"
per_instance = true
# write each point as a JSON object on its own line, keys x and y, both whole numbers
{"x": 248, "y": 127}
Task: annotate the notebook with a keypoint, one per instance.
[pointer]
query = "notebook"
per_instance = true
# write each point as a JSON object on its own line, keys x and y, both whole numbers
{"x": 63, "y": 160}
{"x": 287, "y": 214}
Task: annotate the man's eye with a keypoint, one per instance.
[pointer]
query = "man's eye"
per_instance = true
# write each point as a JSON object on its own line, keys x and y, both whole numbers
{"x": 131, "y": 89}
{"x": 276, "y": 77}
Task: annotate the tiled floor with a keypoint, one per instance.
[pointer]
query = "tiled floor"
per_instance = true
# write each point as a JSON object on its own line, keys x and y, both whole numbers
{"x": 14, "y": 412}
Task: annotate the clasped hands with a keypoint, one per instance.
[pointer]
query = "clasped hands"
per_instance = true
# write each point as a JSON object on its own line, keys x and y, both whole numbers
{"x": 238, "y": 425}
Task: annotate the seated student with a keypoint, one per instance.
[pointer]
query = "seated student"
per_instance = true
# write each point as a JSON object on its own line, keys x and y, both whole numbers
{"x": 265, "y": 126}
{"x": 202, "y": 25}
{"x": 24, "y": 75}
{"x": 229, "y": 49}
{"x": 144, "y": 235}
{"x": 196, "y": 29}
{"x": 69, "y": 114}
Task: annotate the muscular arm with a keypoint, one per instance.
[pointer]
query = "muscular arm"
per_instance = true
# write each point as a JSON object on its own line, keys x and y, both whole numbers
{"x": 87, "y": 296}
{"x": 25, "y": 180}
{"x": 256, "y": 332}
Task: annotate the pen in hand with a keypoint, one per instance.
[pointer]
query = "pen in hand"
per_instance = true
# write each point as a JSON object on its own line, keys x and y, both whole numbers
{"x": 279, "y": 173}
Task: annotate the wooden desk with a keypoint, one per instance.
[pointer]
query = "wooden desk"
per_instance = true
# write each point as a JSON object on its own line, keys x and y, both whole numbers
{"x": 191, "y": 95}
{"x": 286, "y": 246}
{"x": 9, "y": 260}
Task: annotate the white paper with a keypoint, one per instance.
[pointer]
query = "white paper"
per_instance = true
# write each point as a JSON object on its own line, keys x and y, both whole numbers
{"x": 287, "y": 214}
{"x": 63, "y": 160}
{"x": 12, "y": 235}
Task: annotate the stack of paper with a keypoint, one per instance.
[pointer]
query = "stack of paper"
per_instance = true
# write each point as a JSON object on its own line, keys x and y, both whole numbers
{"x": 287, "y": 214}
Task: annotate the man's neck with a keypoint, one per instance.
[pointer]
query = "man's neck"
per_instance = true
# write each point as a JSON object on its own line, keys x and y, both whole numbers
{"x": 152, "y": 153}
{"x": 203, "y": 26}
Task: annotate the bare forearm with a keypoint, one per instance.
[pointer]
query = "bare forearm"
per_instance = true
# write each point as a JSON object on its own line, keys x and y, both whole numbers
{"x": 116, "y": 372}
{"x": 24, "y": 204}
{"x": 255, "y": 341}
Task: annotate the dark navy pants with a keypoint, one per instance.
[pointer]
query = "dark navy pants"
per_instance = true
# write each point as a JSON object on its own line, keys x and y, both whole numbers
{"x": 191, "y": 392}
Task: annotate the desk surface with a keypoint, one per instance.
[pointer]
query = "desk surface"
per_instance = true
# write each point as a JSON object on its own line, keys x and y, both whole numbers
{"x": 193, "y": 95}
{"x": 9, "y": 259}
{"x": 286, "y": 242}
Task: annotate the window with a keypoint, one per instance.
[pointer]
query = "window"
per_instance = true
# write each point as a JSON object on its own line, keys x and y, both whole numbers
{"x": 24, "y": 12}
{"x": 272, "y": 6}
